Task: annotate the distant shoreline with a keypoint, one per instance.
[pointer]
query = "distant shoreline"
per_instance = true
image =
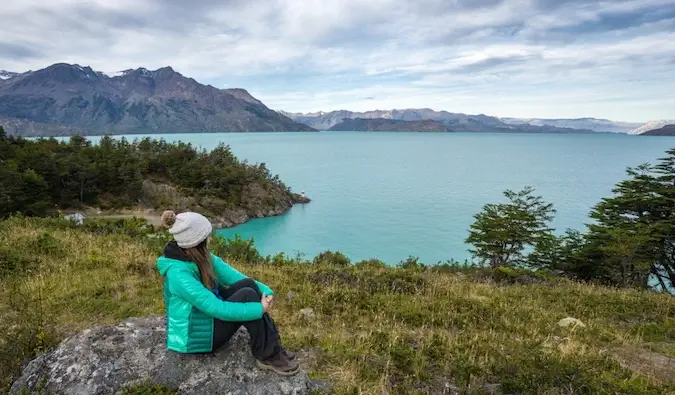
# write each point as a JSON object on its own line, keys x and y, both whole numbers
{"x": 343, "y": 131}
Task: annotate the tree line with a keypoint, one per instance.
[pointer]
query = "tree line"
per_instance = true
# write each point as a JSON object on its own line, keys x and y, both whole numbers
{"x": 40, "y": 176}
{"x": 629, "y": 241}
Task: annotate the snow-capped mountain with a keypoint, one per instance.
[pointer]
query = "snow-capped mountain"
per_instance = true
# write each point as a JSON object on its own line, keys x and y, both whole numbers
{"x": 651, "y": 125}
{"x": 5, "y": 75}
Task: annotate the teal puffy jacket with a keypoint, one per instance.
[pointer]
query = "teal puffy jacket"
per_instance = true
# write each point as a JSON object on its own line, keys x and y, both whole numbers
{"x": 191, "y": 307}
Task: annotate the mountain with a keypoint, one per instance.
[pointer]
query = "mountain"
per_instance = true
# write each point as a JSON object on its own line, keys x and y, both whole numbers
{"x": 651, "y": 125}
{"x": 595, "y": 124}
{"x": 65, "y": 98}
{"x": 389, "y": 125}
{"x": 455, "y": 121}
{"x": 5, "y": 75}
{"x": 667, "y": 130}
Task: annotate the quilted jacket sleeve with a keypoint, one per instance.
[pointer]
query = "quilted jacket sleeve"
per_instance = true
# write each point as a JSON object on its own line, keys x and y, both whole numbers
{"x": 228, "y": 275}
{"x": 189, "y": 288}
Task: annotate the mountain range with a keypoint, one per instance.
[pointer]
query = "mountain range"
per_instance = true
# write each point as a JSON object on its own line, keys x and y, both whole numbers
{"x": 65, "y": 99}
{"x": 595, "y": 124}
{"x": 456, "y": 122}
{"x": 68, "y": 99}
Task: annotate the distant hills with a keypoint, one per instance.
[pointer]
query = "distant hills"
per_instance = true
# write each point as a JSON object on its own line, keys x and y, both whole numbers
{"x": 456, "y": 122}
{"x": 65, "y": 99}
{"x": 390, "y": 125}
{"x": 651, "y": 125}
{"x": 595, "y": 124}
{"x": 666, "y": 130}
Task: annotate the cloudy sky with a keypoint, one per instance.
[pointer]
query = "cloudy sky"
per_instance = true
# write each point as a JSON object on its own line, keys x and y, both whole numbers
{"x": 522, "y": 58}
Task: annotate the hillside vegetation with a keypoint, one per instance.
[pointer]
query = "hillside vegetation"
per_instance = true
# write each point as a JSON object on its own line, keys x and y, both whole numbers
{"x": 375, "y": 330}
{"x": 37, "y": 177}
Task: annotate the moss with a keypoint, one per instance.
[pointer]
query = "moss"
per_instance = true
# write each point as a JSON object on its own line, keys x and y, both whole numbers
{"x": 149, "y": 389}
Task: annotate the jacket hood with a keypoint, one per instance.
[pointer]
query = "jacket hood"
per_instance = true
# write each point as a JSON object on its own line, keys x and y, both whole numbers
{"x": 173, "y": 255}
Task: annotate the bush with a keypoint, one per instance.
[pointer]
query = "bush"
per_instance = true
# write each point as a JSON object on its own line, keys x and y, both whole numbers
{"x": 371, "y": 264}
{"x": 332, "y": 258}
{"x": 236, "y": 250}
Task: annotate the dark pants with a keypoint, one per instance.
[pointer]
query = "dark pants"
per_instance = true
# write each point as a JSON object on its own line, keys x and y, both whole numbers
{"x": 265, "y": 339}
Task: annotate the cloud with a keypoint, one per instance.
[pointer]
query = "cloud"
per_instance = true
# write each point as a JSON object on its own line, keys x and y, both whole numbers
{"x": 478, "y": 56}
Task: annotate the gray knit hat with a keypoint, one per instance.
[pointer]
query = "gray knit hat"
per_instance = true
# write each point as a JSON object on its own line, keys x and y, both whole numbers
{"x": 189, "y": 229}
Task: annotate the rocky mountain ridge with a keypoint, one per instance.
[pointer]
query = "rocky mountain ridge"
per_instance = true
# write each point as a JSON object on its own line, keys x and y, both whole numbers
{"x": 68, "y": 99}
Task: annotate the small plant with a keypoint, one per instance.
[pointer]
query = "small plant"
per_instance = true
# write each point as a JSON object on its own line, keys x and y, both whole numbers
{"x": 149, "y": 389}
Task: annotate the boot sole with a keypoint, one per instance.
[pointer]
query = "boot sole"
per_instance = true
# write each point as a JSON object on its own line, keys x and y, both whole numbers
{"x": 277, "y": 371}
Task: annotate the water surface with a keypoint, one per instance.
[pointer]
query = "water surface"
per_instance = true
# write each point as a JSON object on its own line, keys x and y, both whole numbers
{"x": 393, "y": 195}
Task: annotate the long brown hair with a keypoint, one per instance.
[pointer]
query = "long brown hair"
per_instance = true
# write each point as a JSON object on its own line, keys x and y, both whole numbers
{"x": 202, "y": 257}
{"x": 199, "y": 254}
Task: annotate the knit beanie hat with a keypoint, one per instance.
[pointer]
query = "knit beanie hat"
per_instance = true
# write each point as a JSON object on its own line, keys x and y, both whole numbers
{"x": 188, "y": 229}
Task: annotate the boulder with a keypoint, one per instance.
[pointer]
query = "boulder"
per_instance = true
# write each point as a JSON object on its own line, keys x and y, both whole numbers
{"x": 307, "y": 314}
{"x": 107, "y": 359}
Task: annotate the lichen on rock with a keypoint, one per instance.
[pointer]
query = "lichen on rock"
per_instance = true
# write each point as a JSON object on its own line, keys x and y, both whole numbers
{"x": 108, "y": 359}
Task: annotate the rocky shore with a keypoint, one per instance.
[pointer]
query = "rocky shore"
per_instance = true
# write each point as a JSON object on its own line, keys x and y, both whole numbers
{"x": 260, "y": 201}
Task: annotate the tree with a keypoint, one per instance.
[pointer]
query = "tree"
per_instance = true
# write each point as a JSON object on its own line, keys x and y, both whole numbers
{"x": 501, "y": 232}
{"x": 632, "y": 238}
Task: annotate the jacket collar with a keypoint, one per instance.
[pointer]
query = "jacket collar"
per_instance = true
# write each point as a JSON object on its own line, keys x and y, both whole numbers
{"x": 173, "y": 251}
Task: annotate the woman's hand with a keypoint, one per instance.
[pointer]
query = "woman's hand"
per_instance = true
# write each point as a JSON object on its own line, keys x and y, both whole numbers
{"x": 267, "y": 302}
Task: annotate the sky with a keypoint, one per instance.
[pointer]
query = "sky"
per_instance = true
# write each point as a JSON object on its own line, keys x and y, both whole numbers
{"x": 519, "y": 58}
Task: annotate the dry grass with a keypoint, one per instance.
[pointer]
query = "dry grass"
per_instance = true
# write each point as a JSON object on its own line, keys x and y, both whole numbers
{"x": 376, "y": 330}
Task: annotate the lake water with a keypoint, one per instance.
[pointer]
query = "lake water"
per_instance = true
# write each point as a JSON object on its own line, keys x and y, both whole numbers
{"x": 394, "y": 195}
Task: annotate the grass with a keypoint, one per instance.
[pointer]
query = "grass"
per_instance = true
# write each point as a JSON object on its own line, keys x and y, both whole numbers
{"x": 376, "y": 330}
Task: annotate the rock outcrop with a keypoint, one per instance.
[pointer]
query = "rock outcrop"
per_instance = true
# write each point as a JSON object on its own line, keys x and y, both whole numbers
{"x": 260, "y": 201}
{"x": 107, "y": 359}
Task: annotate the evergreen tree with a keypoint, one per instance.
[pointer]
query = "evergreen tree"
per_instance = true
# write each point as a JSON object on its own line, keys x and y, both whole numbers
{"x": 632, "y": 238}
{"x": 501, "y": 232}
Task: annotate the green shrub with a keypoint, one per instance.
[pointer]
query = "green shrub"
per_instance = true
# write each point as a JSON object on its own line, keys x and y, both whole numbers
{"x": 332, "y": 258}
{"x": 236, "y": 249}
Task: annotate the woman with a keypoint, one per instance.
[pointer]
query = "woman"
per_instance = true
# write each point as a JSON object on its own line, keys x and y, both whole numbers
{"x": 207, "y": 300}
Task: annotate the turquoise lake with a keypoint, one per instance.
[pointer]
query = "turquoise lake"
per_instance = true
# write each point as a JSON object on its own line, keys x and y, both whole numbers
{"x": 394, "y": 195}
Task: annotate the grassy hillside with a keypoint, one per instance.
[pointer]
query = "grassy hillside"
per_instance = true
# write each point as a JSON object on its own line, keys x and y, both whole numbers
{"x": 376, "y": 330}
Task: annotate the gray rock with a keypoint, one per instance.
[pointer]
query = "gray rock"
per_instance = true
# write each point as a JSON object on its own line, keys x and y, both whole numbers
{"x": 290, "y": 295}
{"x": 106, "y": 359}
{"x": 307, "y": 314}
{"x": 320, "y": 386}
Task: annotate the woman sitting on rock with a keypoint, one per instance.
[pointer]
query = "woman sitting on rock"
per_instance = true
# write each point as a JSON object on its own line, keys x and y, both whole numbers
{"x": 207, "y": 300}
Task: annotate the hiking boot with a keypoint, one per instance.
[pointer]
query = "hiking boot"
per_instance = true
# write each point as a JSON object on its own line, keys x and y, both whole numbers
{"x": 289, "y": 354}
{"x": 279, "y": 364}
